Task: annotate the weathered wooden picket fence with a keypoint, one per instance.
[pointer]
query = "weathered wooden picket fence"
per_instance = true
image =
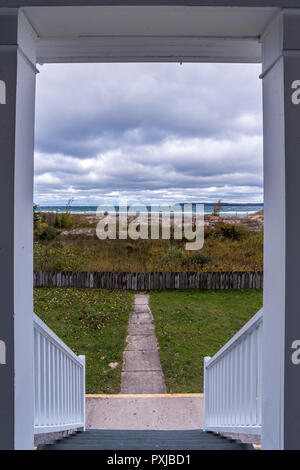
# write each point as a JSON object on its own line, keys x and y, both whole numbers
{"x": 151, "y": 281}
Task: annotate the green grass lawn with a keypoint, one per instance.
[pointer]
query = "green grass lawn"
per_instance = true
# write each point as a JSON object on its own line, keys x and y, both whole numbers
{"x": 193, "y": 324}
{"x": 189, "y": 325}
{"x": 92, "y": 322}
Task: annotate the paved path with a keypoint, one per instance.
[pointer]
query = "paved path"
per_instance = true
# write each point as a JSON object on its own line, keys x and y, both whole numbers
{"x": 143, "y": 402}
{"x": 144, "y": 411}
{"x": 142, "y": 372}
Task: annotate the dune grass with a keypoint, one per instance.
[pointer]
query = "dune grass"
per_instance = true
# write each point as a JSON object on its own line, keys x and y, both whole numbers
{"x": 92, "y": 322}
{"x": 68, "y": 242}
{"x": 193, "y": 324}
{"x": 82, "y": 253}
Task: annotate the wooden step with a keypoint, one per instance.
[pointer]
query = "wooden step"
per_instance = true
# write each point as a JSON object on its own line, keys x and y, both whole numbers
{"x": 145, "y": 440}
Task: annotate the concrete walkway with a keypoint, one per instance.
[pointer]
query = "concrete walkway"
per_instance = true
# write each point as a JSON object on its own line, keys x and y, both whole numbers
{"x": 143, "y": 402}
{"x": 142, "y": 372}
{"x": 164, "y": 412}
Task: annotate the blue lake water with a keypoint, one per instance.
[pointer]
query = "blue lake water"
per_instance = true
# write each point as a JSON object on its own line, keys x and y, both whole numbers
{"x": 240, "y": 210}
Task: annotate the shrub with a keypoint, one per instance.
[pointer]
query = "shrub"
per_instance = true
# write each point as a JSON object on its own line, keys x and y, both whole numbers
{"x": 130, "y": 248}
{"x": 197, "y": 258}
{"x": 232, "y": 232}
{"x": 44, "y": 218}
{"x": 42, "y": 231}
{"x": 65, "y": 220}
{"x": 36, "y": 214}
{"x": 217, "y": 208}
{"x": 173, "y": 254}
{"x": 56, "y": 258}
{"x": 48, "y": 233}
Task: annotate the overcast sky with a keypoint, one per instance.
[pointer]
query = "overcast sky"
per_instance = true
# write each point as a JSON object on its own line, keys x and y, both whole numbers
{"x": 148, "y": 132}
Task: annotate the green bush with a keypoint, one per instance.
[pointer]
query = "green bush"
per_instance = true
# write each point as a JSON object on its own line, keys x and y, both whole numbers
{"x": 197, "y": 258}
{"x": 173, "y": 254}
{"x": 48, "y": 233}
{"x": 65, "y": 220}
{"x": 56, "y": 258}
{"x": 42, "y": 231}
{"x": 130, "y": 248}
{"x": 232, "y": 232}
{"x": 36, "y": 214}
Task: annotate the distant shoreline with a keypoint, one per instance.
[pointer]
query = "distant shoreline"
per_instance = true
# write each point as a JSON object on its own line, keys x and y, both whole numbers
{"x": 228, "y": 210}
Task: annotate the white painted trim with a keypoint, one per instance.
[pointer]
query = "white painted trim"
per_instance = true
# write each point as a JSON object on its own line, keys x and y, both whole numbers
{"x": 250, "y": 325}
{"x": 2, "y": 353}
{"x": 53, "y": 338}
{"x": 149, "y": 49}
{"x": 275, "y": 192}
{"x": 59, "y": 385}
{"x": 205, "y": 389}
{"x": 27, "y": 38}
{"x": 235, "y": 429}
{"x": 48, "y": 429}
{"x": 82, "y": 360}
{"x": 232, "y": 396}
{"x": 2, "y": 92}
{"x": 22, "y": 258}
{"x": 269, "y": 25}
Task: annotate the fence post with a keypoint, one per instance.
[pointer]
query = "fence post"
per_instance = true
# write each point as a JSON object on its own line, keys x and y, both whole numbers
{"x": 82, "y": 360}
{"x": 206, "y": 391}
{"x": 149, "y": 281}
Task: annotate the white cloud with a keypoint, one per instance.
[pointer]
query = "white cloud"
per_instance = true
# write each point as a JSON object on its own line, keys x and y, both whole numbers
{"x": 148, "y": 132}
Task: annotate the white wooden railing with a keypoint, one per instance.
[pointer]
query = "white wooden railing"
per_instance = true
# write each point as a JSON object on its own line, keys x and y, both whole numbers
{"x": 59, "y": 383}
{"x": 232, "y": 383}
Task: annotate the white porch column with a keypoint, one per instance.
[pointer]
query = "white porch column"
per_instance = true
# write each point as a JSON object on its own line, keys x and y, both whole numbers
{"x": 17, "y": 100}
{"x": 281, "y": 337}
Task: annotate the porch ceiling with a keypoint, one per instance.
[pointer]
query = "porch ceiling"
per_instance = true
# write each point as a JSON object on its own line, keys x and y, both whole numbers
{"x": 149, "y": 33}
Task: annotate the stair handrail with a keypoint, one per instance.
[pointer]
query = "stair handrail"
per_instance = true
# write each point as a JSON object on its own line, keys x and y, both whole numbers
{"x": 59, "y": 376}
{"x": 232, "y": 382}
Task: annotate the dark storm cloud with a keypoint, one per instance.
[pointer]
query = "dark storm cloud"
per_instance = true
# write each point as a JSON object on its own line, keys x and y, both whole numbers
{"x": 148, "y": 130}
